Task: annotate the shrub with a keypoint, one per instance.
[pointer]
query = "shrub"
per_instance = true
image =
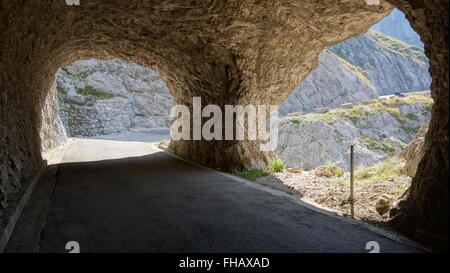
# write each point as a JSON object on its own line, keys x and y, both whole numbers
{"x": 61, "y": 90}
{"x": 276, "y": 166}
{"x": 387, "y": 148}
{"x": 254, "y": 174}
{"x": 374, "y": 144}
{"x": 413, "y": 117}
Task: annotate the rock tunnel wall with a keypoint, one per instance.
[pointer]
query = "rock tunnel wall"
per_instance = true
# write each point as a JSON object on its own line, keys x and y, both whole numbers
{"x": 52, "y": 131}
{"x": 423, "y": 210}
{"x": 226, "y": 52}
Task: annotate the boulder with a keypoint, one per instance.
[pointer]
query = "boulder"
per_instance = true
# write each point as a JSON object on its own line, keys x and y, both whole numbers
{"x": 383, "y": 204}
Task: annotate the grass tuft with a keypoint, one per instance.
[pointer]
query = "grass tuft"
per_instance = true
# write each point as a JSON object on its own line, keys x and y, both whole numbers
{"x": 253, "y": 175}
{"x": 387, "y": 169}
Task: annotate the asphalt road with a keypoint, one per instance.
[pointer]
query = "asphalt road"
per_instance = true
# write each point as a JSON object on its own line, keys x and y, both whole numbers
{"x": 115, "y": 196}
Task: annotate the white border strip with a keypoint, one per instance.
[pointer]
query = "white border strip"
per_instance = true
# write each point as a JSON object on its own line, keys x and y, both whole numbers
{"x": 300, "y": 201}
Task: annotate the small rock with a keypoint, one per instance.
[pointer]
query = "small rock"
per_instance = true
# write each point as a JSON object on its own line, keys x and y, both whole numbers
{"x": 295, "y": 170}
{"x": 383, "y": 204}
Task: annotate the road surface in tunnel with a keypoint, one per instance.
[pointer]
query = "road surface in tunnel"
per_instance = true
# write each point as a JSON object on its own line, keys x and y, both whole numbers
{"x": 116, "y": 196}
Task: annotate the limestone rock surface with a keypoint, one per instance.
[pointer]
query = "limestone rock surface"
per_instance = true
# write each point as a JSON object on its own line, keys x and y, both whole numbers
{"x": 120, "y": 96}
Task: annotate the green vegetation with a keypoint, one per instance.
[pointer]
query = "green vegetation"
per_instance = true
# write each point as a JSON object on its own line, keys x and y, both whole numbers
{"x": 276, "y": 166}
{"x": 91, "y": 91}
{"x": 415, "y": 97}
{"x": 374, "y": 144}
{"x": 61, "y": 90}
{"x": 422, "y": 93}
{"x": 335, "y": 115}
{"x": 374, "y": 107}
{"x": 164, "y": 143}
{"x": 413, "y": 117}
{"x": 427, "y": 108}
{"x": 83, "y": 75}
{"x": 253, "y": 175}
{"x": 410, "y": 130}
{"x": 73, "y": 102}
{"x": 396, "y": 113}
{"x": 387, "y": 169}
{"x": 394, "y": 102}
{"x": 392, "y": 45}
{"x": 296, "y": 120}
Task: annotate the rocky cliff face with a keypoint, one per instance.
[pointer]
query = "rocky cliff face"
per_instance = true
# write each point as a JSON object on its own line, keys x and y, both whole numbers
{"x": 389, "y": 64}
{"x": 105, "y": 97}
{"x": 333, "y": 83}
{"x": 358, "y": 69}
{"x": 378, "y": 129}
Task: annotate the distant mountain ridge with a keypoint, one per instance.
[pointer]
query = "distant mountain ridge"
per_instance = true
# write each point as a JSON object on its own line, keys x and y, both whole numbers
{"x": 358, "y": 69}
{"x": 397, "y": 26}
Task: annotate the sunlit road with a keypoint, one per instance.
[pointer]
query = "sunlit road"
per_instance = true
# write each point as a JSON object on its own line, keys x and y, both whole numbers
{"x": 113, "y": 196}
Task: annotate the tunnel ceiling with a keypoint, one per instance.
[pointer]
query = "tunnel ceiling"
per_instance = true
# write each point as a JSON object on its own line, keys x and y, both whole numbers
{"x": 227, "y": 52}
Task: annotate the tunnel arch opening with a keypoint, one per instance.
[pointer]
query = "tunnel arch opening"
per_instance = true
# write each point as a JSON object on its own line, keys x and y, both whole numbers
{"x": 95, "y": 98}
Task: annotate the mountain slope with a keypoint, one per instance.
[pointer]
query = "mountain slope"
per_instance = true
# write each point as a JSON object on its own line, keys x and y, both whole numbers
{"x": 390, "y": 64}
{"x": 379, "y": 129}
{"x": 333, "y": 83}
{"x": 359, "y": 69}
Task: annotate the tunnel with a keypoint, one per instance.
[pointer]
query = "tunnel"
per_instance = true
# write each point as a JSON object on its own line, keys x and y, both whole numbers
{"x": 226, "y": 52}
